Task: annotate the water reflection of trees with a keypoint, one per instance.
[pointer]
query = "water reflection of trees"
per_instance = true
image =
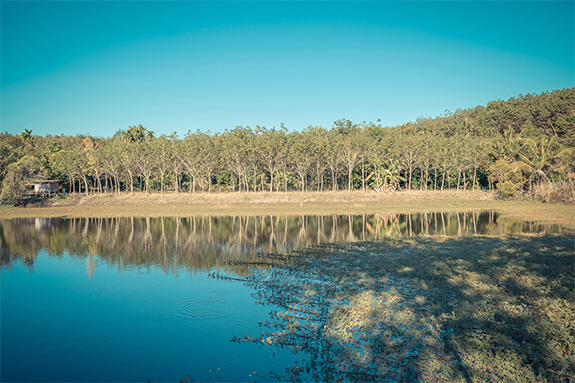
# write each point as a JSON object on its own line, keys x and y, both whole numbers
{"x": 201, "y": 243}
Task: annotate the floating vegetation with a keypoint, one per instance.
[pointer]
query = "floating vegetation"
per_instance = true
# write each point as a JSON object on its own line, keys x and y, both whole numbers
{"x": 423, "y": 309}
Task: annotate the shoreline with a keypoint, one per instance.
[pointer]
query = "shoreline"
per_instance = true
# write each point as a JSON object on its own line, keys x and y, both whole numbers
{"x": 291, "y": 203}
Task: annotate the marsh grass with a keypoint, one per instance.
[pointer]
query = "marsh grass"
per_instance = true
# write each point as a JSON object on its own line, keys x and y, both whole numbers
{"x": 428, "y": 309}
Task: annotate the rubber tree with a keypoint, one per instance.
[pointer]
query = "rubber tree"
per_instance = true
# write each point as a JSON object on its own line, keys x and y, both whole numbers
{"x": 300, "y": 156}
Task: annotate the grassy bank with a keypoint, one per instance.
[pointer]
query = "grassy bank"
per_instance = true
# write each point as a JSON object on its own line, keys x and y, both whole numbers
{"x": 291, "y": 203}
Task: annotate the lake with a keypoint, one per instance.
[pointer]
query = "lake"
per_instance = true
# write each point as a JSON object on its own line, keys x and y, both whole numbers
{"x": 162, "y": 299}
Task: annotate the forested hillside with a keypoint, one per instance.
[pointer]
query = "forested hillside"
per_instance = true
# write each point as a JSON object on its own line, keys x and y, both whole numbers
{"x": 525, "y": 145}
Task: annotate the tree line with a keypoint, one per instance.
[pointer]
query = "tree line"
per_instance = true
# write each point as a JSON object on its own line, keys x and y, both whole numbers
{"x": 522, "y": 145}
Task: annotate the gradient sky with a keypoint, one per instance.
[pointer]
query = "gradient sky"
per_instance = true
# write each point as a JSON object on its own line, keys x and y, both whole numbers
{"x": 96, "y": 67}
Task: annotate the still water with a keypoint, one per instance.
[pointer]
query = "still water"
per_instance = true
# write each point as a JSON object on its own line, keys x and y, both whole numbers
{"x": 134, "y": 299}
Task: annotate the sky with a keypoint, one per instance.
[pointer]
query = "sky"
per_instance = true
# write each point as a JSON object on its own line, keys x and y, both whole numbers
{"x": 94, "y": 67}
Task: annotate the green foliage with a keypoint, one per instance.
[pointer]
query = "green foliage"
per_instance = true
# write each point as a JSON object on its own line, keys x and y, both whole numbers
{"x": 27, "y": 137}
{"x": 11, "y": 150}
{"x": 136, "y": 133}
{"x": 18, "y": 174}
{"x": 461, "y": 150}
{"x": 507, "y": 181}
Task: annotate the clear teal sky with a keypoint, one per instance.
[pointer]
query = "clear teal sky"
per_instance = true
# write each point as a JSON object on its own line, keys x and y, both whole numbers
{"x": 95, "y": 67}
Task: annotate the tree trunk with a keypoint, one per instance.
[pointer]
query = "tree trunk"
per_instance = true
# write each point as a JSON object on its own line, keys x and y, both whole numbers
{"x": 421, "y": 174}
{"x": 349, "y": 180}
{"x": 99, "y": 184}
{"x": 86, "y": 184}
{"x": 131, "y": 182}
{"x": 474, "y": 177}
{"x": 278, "y": 182}
{"x": 262, "y": 181}
{"x": 363, "y": 177}
{"x": 333, "y": 182}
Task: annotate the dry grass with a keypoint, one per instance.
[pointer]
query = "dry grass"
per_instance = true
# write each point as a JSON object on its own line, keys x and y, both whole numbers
{"x": 291, "y": 203}
{"x": 268, "y": 198}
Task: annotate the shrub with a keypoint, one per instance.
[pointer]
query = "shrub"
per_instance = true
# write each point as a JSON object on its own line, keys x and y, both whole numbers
{"x": 17, "y": 175}
{"x": 507, "y": 182}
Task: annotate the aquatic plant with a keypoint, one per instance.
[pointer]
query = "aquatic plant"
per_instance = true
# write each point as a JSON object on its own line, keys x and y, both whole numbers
{"x": 423, "y": 309}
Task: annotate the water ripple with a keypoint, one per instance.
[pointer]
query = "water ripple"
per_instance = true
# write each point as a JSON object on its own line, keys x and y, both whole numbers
{"x": 204, "y": 308}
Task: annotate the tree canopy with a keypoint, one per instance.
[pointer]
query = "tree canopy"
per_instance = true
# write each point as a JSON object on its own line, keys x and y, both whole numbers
{"x": 522, "y": 145}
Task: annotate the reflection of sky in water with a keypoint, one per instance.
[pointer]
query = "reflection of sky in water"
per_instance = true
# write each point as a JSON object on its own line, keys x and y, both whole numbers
{"x": 130, "y": 299}
{"x": 129, "y": 324}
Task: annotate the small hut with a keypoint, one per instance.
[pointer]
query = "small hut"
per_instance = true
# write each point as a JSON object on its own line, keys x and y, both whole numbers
{"x": 43, "y": 187}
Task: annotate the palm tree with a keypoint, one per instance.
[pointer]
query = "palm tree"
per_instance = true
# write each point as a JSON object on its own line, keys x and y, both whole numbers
{"x": 137, "y": 134}
{"x": 26, "y": 137}
{"x": 538, "y": 158}
{"x": 391, "y": 177}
